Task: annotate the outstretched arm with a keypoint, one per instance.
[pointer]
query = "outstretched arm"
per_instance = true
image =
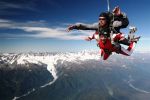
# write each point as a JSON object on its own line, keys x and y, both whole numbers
{"x": 120, "y": 19}
{"x": 81, "y": 26}
{"x": 89, "y": 38}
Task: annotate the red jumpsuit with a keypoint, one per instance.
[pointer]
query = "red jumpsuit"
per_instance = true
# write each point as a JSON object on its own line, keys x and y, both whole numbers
{"x": 107, "y": 48}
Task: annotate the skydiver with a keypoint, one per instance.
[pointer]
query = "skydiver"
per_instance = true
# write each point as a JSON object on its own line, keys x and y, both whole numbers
{"x": 107, "y": 23}
{"x": 105, "y": 52}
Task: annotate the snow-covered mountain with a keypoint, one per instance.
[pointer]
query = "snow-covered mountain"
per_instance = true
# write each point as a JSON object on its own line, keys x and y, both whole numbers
{"x": 23, "y": 57}
{"x": 50, "y": 59}
{"x": 58, "y": 70}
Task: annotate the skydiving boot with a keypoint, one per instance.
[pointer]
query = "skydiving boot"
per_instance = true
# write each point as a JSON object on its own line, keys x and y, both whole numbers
{"x": 135, "y": 39}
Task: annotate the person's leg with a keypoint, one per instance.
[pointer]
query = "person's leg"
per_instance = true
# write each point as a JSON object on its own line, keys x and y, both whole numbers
{"x": 120, "y": 38}
{"x": 125, "y": 42}
{"x": 129, "y": 50}
{"x": 105, "y": 56}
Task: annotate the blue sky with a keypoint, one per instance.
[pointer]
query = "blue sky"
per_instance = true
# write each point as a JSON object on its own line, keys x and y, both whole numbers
{"x": 40, "y": 25}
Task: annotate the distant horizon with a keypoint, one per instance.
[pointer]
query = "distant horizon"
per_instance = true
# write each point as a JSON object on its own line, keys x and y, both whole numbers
{"x": 67, "y": 52}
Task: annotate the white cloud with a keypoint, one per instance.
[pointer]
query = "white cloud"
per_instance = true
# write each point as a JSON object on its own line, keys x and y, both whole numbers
{"x": 59, "y": 33}
{"x": 4, "y": 21}
{"x": 38, "y": 30}
{"x": 19, "y": 5}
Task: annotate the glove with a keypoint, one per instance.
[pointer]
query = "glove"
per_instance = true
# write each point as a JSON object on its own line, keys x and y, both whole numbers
{"x": 117, "y": 23}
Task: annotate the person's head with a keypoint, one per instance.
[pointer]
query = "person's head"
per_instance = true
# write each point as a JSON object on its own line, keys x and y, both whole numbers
{"x": 103, "y": 19}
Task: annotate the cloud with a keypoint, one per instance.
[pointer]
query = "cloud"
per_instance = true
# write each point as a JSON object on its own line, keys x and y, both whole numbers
{"x": 17, "y": 5}
{"x": 4, "y": 21}
{"x": 9, "y": 24}
{"x": 21, "y": 7}
{"x": 38, "y": 29}
{"x": 10, "y": 7}
{"x": 57, "y": 33}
